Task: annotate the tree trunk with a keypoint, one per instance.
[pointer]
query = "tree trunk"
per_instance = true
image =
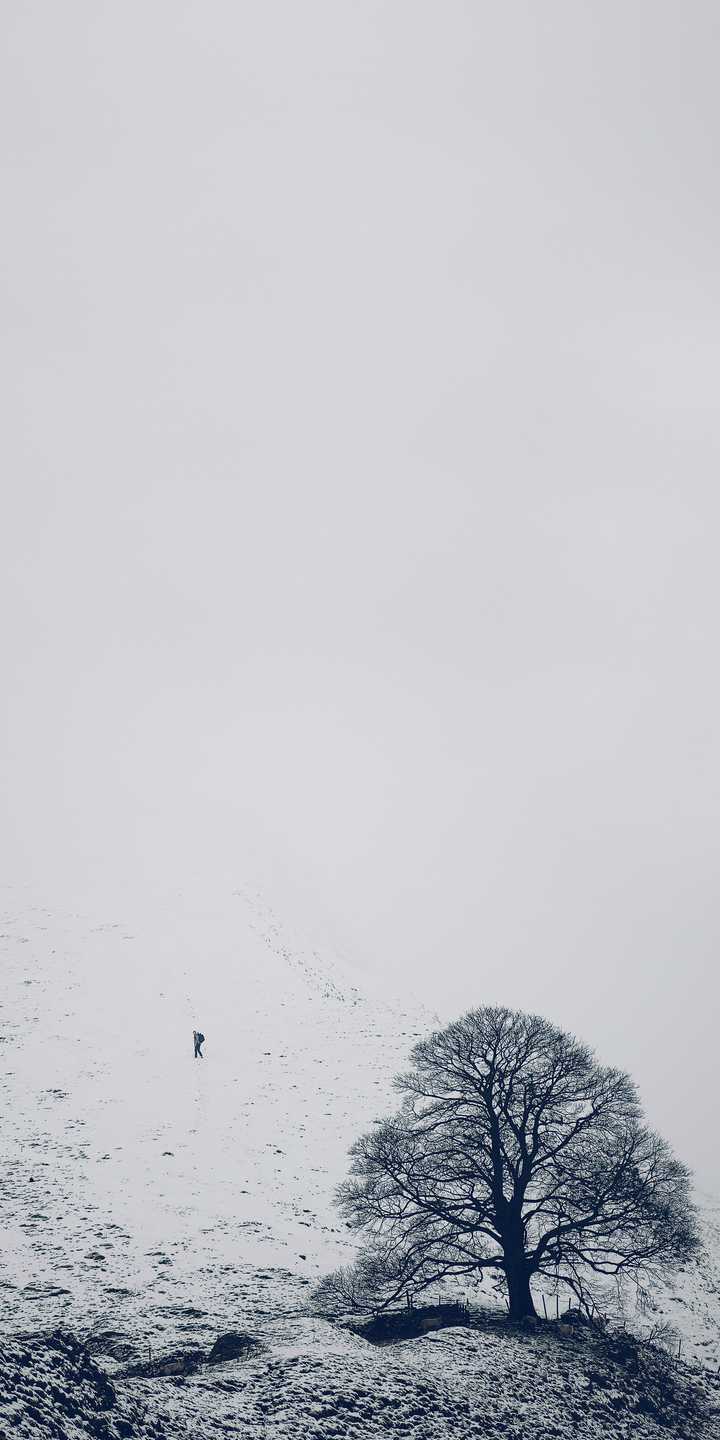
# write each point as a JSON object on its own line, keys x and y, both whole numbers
{"x": 517, "y": 1275}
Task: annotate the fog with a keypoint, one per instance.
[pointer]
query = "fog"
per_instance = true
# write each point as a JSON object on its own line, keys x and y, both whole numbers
{"x": 360, "y": 493}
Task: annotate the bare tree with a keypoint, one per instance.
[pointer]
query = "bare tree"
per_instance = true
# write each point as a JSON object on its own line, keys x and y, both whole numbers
{"x": 514, "y": 1154}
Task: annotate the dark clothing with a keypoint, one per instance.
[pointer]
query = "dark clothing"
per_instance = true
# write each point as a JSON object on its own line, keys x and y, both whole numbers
{"x": 198, "y": 1040}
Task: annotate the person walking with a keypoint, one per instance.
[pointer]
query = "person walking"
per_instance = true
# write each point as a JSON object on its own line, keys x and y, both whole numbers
{"x": 198, "y": 1040}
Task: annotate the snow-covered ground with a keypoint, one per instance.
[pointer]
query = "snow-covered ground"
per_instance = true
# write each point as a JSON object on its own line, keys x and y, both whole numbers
{"x": 449, "y": 1386}
{"x": 147, "y": 1189}
{"x": 163, "y": 1199}
{"x": 562, "y": 1381}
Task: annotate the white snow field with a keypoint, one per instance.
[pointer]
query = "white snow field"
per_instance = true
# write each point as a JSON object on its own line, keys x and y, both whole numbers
{"x": 147, "y": 1189}
{"x": 153, "y": 1199}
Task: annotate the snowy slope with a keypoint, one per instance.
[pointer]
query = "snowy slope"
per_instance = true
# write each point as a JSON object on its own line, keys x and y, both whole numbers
{"x": 167, "y": 1198}
{"x": 141, "y": 1183}
{"x": 489, "y": 1383}
{"x": 690, "y": 1300}
{"x": 560, "y": 1381}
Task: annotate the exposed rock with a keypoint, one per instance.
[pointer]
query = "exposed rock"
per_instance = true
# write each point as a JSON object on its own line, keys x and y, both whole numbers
{"x": 397, "y": 1325}
{"x": 233, "y": 1346}
{"x": 180, "y": 1362}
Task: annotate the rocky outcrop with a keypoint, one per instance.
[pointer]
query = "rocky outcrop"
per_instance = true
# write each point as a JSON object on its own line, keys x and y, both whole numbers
{"x": 233, "y": 1346}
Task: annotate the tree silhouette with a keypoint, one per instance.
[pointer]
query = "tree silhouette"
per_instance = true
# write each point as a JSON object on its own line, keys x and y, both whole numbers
{"x": 514, "y": 1154}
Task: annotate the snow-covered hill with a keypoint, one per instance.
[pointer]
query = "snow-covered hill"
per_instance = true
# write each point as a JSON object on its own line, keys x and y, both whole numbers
{"x": 165, "y": 1198}
{"x": 148, "y": 1189}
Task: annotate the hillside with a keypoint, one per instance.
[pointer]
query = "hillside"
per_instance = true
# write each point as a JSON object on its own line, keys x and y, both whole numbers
{"x": 150, "y": 1190}
{"x": 154, "y": 1200}
{"x": 326, "y": 1384}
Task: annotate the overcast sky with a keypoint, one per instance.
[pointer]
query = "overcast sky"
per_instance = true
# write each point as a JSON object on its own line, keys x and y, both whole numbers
{"x": 360, "y": 487}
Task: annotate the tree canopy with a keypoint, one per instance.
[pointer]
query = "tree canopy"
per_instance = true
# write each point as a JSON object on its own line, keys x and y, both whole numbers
{"x": 514, "y": 1154}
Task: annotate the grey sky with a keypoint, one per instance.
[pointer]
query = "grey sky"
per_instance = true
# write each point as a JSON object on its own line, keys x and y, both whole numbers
{"x": 360, "y": 487}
